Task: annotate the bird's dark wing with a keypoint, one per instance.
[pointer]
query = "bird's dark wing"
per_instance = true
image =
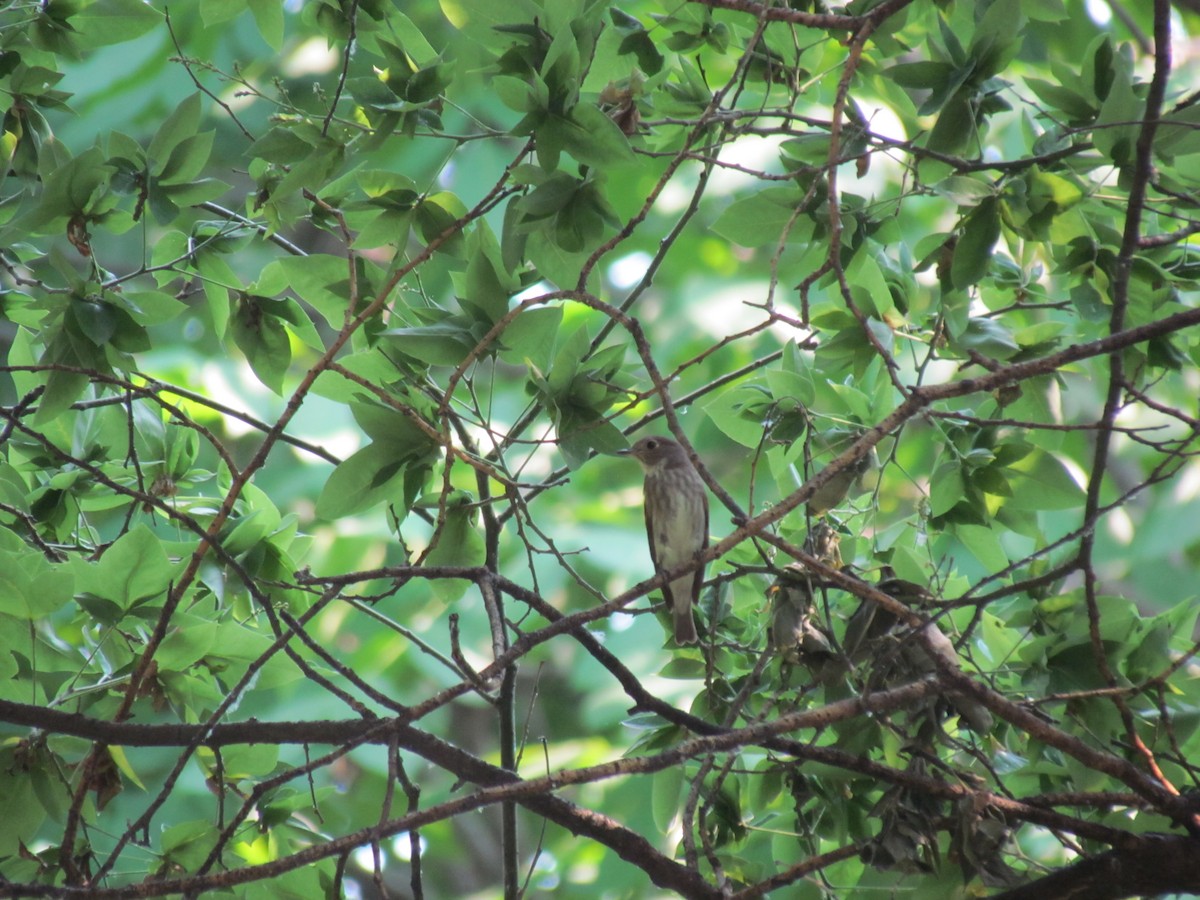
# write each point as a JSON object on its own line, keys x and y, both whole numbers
{"x": 650, "y": 537}
{"x": 698, "y": 577}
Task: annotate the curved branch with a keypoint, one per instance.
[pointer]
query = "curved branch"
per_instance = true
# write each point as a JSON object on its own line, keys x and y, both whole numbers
{"x": 1150, "y": 865}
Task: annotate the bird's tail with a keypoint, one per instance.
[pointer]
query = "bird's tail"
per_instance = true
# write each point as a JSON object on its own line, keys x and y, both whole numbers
{"x": 681, "y": 612}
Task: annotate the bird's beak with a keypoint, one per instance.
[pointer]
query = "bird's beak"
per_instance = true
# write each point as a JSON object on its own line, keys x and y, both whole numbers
{"x": 628, "y": 451}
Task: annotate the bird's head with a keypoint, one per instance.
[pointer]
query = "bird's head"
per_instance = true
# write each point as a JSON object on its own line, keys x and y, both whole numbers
{"x": 653, "y": 451}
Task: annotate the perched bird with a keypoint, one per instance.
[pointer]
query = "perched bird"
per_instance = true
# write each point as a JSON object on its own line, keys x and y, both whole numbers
{"x": 676, "y": 508}
{"x": 838, "y": 487}
{"x": 796, "y": 632}
{"x": 874, "y": 633}
{"x": 871, "y": 622}
{"x": 824, "y": 544}
{"x": 976, "y": 716}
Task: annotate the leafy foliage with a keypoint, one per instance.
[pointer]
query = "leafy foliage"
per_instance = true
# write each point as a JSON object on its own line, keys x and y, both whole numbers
{"x": 322, "y": 324}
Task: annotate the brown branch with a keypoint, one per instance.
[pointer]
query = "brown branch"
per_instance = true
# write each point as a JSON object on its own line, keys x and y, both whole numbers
{"x": 1151, "y": 865}
{"x": 826, "y": 21}
{"x": 263, "y": 230}
{"x": 499, "y": 785}
{"x": 1030, "y": 810}
{"x": 1130, "y": 242}
{"x": 144, "y": 663}
{"x": 281, "y": 643}
{"x": 794, "y": 873}
{"x": 918, "y": 400}
{"x": 351, "y": 16}
{"x": 834, "y": 257}
{"x": 187, "y": 66}
{"x": 698, "y": 129}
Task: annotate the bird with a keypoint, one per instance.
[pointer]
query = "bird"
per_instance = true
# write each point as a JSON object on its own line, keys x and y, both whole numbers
{"x": 795, "y": 629}
{"x": 874, "y": 633}
{"x": 823, "y": 543}
{"x": 870, "y": 622}
{"x": 836, "y": 489}
{"x": 676, "y": 510}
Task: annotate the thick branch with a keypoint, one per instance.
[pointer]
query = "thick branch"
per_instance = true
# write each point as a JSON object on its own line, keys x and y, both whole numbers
{"x": 769, "y": 13}
{"x": 1153, "y": 864}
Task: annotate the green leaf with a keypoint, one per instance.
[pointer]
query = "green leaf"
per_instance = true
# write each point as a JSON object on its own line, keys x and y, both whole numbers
{"x": 955, "y": 131}
{"x": 319, "y": 279}
{"x": 987, "y": 336}
{"x": 241, "y": 646}
{"x": 187, "y": 159}
{"x": 182, "y": 123}
{"x": 984, "y": 544}
{"x": 1064, "y": 99}
{"x": 1117, "y": 125}
{"x": 594, "y": 139}
{"x": 114, "y": 21}
{"x": 97, "y": 321}
{"x": 314, "y": 168}
{"x": 571, "y": 350}
{"x": 1045, "y": 484}
{"x": 436, "y": 215}
{"x": 515, "y": 93}
{"x": 1049, "y": 194}
{"x": 579, "y": 437}
{"x": 641, "y": 45}
{"x": 738, "y": 414}
{"x": 811, "y": 150}
{"x": 268, "y": 15}
{"x": 249, "y": 760}
{"x": 868, "y": 287}
{"x": 214, "y": 12}
{"x": 182, "y": 446}
{"x": 289, "y": 311}
{"x": 287, "y": 143}
{"x": 1178, "y": 134}
{"x": 759, "y": 220}
{"x": 444, "y": 344}
{"x": 458, "y": 543}
{"x": 190, "y": 639}
{"x": 666, "y": 794}
{"x": 554, "y": 193}
{"x": 393, "y": 428}
{"x": 1089, "y": 302}
{"x": 62, "y": 390}
{"x": 372, "y": 475}
{"x": 20, "y": 810}
{"x": 133, "y": 571}
{"x": 244, "y": 533}
{"x": 374, "y": 365}
{"x": 973, "y": 252}
{"x": 388, "y": 227}
{"x": 557, "y": 265}
{"x": 946, "y": 489}
{"x": 531, "y": 336}
{"x": 964, "y": 190}
{"x": 218, "y": 279}
{"x": 488, "y": 284}
{"x": 926, "y": 74}
{"x": 76, "y": 187}
{"x": 260, "y": 335}
{"x": 411, "y": 38}
{"x": 30, "y": 587}
{"x": 997, "y": 38}
{"x": 152, "y": 307}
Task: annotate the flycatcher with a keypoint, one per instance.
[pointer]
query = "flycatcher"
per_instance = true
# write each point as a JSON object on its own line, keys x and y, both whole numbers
{"x": 676, "y": 508}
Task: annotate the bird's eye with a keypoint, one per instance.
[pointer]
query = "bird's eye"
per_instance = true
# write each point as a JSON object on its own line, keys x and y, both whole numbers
{"x": 651, "y": 444}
